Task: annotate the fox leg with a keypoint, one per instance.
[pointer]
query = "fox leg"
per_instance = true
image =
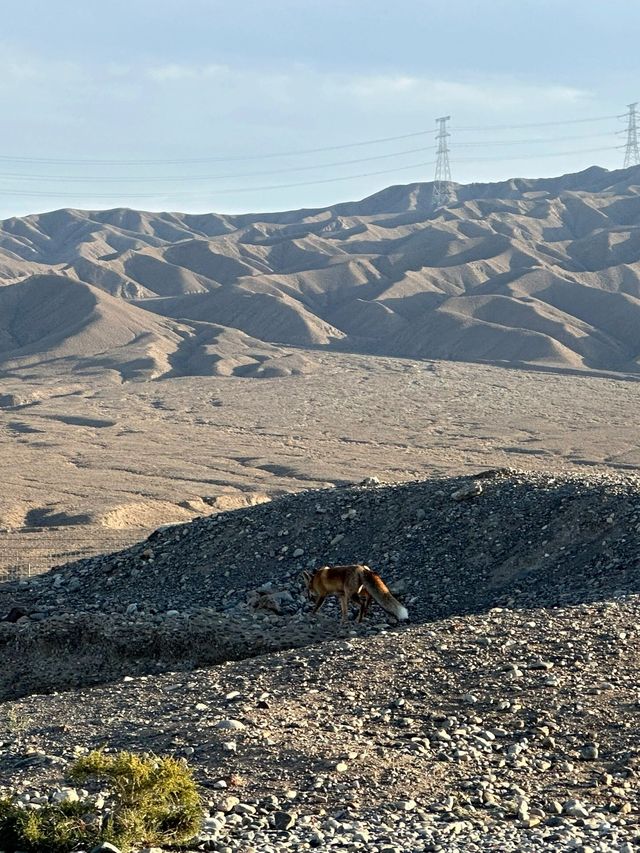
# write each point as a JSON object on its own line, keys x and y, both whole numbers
{"x": 365, "y": 604}
{"x": 319, "y": 603}
{"x": 355, "y": 599}
{"x": 344, "y": 606}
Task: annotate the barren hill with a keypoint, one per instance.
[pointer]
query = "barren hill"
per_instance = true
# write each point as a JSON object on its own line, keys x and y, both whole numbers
{"x": 53, "y": 323}
{"x": 543, "y": 271}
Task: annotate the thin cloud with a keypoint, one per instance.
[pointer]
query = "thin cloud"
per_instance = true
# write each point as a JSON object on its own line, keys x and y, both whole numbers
{"x": 21, "y": 66}
{"x": 172, "y": 72}
{"x": 494, "y": 94}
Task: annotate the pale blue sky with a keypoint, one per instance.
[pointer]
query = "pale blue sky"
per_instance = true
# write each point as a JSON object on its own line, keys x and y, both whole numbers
{"x": 195, "y": 79}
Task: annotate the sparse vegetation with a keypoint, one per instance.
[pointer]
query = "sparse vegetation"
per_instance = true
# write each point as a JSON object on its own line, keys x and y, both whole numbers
{"x": 14, "y": 723}
{"x": 154, "y": 801}
{"x": 52, "y": 829}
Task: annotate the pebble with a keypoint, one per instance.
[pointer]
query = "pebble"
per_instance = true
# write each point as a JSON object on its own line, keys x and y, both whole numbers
{"x": 284, "y": 820}
{"x": 65, "y": 795}
{"x": 575, "y": 808}
{"x": 230, "y": 724}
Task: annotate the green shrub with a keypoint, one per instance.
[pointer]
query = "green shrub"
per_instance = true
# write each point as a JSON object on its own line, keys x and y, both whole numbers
{"x": 54, "y": 829}
{"x": 156, "y": 798}
{"x": 154, "y": 801}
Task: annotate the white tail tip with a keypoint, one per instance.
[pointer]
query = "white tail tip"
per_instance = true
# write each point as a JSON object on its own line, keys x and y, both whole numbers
{"x": 402, "y": 614}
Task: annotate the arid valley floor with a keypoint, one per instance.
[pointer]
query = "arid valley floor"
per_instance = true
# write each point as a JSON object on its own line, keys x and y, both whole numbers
{"x": 95, "y": 465}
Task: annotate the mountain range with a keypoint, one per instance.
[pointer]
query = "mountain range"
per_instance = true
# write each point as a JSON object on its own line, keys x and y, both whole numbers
{"x": 542, "y": 272}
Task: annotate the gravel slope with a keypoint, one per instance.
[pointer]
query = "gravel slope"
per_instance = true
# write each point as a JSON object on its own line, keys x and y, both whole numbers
{"x": 228, "y": 586}
{"x": 501, "y": 731}
{"x": 506, "y": 717}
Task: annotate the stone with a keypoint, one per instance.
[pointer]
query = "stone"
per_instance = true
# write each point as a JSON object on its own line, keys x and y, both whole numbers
{"x": 370, "y": 481}
{"x": 541, "y": 664}
{"x": 233, "y": 695}
{"x": 234, "y": 725}
{"x": 66, "y": 795}
{"x": 227, "y": 804}
{"x": 472, "y": 490}
{"x": 361, "y": 836}
{"x": 14, "y": 615}
{"x": 284, "y": 820}
{"x": 589, "y": 752}
{"x": 575, "y": 808}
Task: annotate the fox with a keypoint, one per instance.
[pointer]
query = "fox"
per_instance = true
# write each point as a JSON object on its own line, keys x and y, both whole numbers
{"x": 357, "y": 584}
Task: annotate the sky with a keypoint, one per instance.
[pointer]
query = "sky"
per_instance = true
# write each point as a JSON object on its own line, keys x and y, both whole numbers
{"x": 254, "y": 105}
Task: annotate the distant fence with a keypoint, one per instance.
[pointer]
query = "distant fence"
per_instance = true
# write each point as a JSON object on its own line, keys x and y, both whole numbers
{"x": 28, "y": 551}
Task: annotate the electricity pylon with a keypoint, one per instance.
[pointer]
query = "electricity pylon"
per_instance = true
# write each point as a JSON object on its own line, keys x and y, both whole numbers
{"x": 442, "y": 180}
{"x": 631, "y": 151}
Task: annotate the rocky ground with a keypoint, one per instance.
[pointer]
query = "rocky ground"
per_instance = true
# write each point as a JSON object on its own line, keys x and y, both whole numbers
{"x": 505, "y": 717}
{"x": 510, "y": 730}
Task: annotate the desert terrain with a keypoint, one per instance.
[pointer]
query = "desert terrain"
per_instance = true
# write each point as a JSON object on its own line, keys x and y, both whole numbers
{"x": 168, "y": 365}
{"x": 450, "y": 396}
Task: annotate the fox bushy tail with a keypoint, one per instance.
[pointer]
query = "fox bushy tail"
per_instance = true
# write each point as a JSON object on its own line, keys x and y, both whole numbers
{"x": 379, "y": 591}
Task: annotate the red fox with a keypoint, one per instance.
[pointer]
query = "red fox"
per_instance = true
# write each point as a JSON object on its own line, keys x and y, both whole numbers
{"x": 358, "y": 584}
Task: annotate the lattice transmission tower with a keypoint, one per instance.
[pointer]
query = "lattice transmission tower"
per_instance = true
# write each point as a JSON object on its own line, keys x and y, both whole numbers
{"x": 631, "y": 151}
{"x": 442, "y": 180}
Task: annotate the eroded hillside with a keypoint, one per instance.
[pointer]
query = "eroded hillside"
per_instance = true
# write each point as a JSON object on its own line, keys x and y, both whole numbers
{"x": 542, "y": 272}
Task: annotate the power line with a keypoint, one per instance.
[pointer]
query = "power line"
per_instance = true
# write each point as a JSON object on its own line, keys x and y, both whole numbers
{"x": 264, "y": 188}
{"x": 535, "y": 141}
{"x": 533, "y": 124}
{"x": 179, "y": 162}
{"x": 442, "y": 182}
{"x": 292, "y": 153}
{"x": 538, "y": 156}
{"x": 156, "y": 178}
{"x": 38, "y": 194}
{"x": 132, "y": 179}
